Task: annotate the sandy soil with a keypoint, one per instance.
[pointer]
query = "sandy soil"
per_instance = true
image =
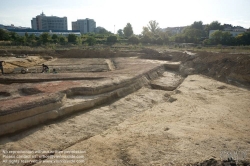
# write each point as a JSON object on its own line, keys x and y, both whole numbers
{"x": 202, "y": 120}
{"x": 202, "y": 123}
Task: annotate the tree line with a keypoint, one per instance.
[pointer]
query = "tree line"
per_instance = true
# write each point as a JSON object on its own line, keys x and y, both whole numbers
{"x": 197, "y": 33}
{"x": 151, "y": 34}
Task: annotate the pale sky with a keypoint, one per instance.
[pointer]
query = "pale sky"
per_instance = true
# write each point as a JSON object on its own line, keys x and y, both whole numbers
{"x": 115, "y": 14}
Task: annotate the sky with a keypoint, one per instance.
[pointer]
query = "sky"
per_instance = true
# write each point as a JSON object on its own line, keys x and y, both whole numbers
{"x": 115, "y": 14}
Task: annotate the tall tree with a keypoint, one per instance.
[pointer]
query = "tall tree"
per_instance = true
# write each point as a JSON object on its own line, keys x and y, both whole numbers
{"x": 128, "y": 30}
{"x": 243, "y": 39}
{"x": 55, "y": 38}
{"x": 4, "y": 35}
{"x": 13, "y": 36}
{"x": 103, "y": 31}
{"x": 91, "y": 40}
{"x": 112, "y": 39}
{"x": 216, "y": 37}
{"x": 145, "y": 31}
{"x": 120, "y": 32}
{"x": 215, "y": 25}
{"x": 72, "y": 38}
{"x": 153, "y": 26}
{"x": 197, "y": 25}
{"x": 45, "y": 38}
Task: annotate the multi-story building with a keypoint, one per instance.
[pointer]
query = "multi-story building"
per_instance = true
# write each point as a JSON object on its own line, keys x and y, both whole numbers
{"x": 43, "y": 22}
{"x": 84, "y": 25}
{"x": 12, "y": 27}
{"x": 173, "y": 30}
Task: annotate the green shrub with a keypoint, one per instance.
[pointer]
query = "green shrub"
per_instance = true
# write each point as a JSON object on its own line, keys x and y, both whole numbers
{"x": 159, "y": 41}
{"x": 134, "y": 40}
{"x": 72, "y": 38}
{"x": 91, "y": 40}
{"x": 112, "y": 39}
{"x": 146, "y": 39}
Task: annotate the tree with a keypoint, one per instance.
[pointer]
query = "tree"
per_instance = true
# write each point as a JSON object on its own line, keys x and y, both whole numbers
{"x": 72, "y": 38}
{"x": 159, "y": 41}
{"x": 120, "y": 32}
{"x": 181, "y": 38}
{"x": 26, "y": 35}
{"x": 62, "y": 40}
{"x": 91, "y": 40}
{"x": 22, "y": 40}
{"x": 134, "y": 40}
{"x": 243, "y": 39}
{"x": 103, "y": 31}
{"x": 197, "y": 25}
{"x": 112, "y": 39}
{"x": 153, "y": 26}
{"x": 45, "y": 38}
{"x": 164, "y": 35}
{"x": 31, "y": 39}
{"x": 215, "y": 25}
{"x": 145, "y": 31}
{"x": 55, "y": 38}
{"x": 146, "y": 39}
{"x": 4, "y": 35}
{"x": 227, "y": 38}
{"x": 13, "y": 36}
{"x": 128, "y": 30}
{"x": 193, "y": 35}
{"x": 216, "y": 37}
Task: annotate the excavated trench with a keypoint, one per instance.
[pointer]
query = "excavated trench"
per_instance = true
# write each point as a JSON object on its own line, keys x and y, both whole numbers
{"x": 79, "y": 99}
{"x": 86, "y": 118}
{"x": 4, "y": 94}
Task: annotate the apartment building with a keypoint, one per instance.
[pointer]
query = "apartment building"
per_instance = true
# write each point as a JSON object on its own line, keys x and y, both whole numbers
{"x": 84, "y": 25}
{"x": 43, "y": 22}
{"x": 174, "y": 30}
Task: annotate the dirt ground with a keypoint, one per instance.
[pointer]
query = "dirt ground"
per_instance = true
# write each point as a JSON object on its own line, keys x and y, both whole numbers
{"x": 201, "y": 122}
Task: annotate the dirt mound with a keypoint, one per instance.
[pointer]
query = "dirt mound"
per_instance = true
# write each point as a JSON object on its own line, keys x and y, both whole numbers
{"x": 229, "y": 68}
{"x": 29, "y": 91}
{"x": 90, "y": 53}
{"x": 4, "y": 94}
{"x": 153, "y": 54}
{"x": 24, "y": 51}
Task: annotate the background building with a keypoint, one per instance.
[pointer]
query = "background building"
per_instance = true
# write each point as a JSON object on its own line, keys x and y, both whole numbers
{"x": 174, "y": 30}
{"x": 43, "y": 22}
{"x": 12, "y": 27}
{"x": 22, "y": 32}
{"x": 84, "y": 25}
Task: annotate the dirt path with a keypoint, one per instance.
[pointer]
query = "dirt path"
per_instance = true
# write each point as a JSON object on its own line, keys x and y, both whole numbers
{"x": 201, "y": 120}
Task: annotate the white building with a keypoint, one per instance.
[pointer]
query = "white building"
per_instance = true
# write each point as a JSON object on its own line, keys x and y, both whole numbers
{"x": 84, "y": 25}
{"x": 43, "y": 22}
{"x": 22, "y": 32}
{"x": 174, "y": 30}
